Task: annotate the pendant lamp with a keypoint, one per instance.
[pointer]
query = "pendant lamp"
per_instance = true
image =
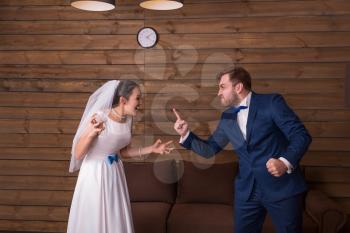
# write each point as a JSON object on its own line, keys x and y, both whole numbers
{"x": 162, "y": 4}
{"x": 94, "y": 5}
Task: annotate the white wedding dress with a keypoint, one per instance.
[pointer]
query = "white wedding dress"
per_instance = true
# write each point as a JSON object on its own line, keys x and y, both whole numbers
{"x": 101, "y": 200}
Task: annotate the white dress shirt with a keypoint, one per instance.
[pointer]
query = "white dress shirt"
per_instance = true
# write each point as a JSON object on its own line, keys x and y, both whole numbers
{"x": 242, "y": 115}
{"x": 242, "y": 118}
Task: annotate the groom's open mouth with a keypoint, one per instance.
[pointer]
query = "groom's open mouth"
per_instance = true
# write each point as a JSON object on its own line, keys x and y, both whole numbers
{"x": 137, "y": 108}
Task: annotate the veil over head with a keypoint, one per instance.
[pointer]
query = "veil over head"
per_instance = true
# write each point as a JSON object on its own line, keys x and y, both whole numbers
{"x": 100, "y": 100}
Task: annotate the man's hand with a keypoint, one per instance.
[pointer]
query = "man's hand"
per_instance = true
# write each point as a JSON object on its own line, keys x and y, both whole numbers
{"x": 276, "y": 167}
{"x": 180, "y": 126}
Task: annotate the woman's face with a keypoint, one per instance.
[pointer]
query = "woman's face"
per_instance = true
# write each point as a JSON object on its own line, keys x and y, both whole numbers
{"x": 133, "y": 103}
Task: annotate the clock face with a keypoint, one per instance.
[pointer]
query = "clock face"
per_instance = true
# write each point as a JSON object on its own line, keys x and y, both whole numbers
{"x": 147, "y": 37}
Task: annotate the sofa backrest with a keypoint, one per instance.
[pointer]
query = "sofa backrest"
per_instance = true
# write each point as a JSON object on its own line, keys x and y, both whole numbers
{"x": 151, "y": 181}
{"x": 214, "y": 184}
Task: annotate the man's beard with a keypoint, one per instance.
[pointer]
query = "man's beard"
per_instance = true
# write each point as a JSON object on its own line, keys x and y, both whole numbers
{"x": 233, "y": 101}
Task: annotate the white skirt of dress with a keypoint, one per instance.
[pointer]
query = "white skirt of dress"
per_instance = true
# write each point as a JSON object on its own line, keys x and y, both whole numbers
{"x": 101, "y": 201}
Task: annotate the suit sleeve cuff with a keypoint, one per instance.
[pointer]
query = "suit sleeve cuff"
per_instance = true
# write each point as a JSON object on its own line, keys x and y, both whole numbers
{"x": 187, "y": 143}
{"x": 182, "y": 139}
{"x": 288, "y": 164}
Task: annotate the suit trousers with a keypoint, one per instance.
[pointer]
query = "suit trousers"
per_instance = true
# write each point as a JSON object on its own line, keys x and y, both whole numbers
{"x": 286, "y": 214}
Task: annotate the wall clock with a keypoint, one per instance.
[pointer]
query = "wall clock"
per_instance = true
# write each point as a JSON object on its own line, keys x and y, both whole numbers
{"x": 147, "y": 37}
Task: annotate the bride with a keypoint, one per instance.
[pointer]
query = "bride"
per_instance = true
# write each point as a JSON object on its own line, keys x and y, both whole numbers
{"x": 101, "y": 200}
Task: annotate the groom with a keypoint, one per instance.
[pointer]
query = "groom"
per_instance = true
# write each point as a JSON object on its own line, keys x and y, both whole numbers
{"x": 270, "y": 141}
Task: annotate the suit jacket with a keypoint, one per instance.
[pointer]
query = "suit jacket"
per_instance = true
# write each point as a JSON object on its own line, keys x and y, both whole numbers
{"x": 273, "y": 131}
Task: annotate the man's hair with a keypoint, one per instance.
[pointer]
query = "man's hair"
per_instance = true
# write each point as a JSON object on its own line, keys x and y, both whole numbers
{"x": 237, "y": 74}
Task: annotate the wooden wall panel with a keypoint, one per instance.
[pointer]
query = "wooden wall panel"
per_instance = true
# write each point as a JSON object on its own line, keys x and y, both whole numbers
{"x": 164, "y": 26}
{"x": 30, "y": 198}
{"x": 347, "y": 87}
{"x": 121, "y": 57}
{"x": 32, "y": 12}
{"x": 52, "y": 56}
{"x": 102, "y": 27}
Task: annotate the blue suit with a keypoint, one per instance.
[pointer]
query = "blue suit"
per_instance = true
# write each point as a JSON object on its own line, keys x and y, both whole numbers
{"x": 273, "y": 131}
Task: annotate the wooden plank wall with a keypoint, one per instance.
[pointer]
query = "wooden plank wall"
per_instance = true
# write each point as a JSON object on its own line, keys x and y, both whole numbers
{"x": 53, "y": 56}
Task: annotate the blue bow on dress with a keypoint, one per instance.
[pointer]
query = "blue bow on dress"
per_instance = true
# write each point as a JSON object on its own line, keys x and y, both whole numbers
{"x": 111, "y": 158}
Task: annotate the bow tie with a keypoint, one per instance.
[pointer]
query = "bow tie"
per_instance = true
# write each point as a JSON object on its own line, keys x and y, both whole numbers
{"x": 232, "y": 112}
{"x": 236, "y": 110}
{"x": 111, "y": 158}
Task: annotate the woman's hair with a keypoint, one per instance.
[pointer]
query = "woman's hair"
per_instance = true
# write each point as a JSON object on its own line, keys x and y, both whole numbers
{"x": 125, "y": 88}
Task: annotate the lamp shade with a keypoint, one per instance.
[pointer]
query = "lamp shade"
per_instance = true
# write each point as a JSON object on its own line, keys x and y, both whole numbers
{"x": 162, "y": 4}
{"x": 94, "y": 5}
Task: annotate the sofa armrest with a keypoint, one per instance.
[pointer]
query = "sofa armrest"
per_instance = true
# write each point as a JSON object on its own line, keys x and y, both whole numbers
{"x": 325, "y": 212}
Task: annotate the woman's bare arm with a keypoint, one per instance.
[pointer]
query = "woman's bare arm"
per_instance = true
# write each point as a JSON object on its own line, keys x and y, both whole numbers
{"x": 92, "y": 131}
{"x": 157, "y": 147}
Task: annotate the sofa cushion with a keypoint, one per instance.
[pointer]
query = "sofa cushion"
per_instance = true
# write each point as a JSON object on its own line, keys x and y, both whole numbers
{"x": 151, "y": 182}
{"x": 150, "y": 216}
{"x": 201, "y": 218}
{"x": 207, "y": 185}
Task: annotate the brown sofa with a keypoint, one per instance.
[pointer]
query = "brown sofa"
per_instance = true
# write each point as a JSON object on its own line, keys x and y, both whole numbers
{"x": 182, "y": 197}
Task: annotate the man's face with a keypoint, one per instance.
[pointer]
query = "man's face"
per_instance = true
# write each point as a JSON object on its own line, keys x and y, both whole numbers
{"x": 227, "y": 92}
